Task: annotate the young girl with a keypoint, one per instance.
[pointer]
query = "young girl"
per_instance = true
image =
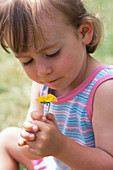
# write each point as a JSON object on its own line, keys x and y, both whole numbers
{"x": 53, "y": 40}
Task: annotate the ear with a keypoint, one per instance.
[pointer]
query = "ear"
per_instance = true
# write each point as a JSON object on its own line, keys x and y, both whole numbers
{"x": 86, "y": 31}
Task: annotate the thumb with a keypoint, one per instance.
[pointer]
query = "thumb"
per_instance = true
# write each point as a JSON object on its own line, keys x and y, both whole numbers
{"x": 36, "y": 116}
{"x": 51, "y": 117}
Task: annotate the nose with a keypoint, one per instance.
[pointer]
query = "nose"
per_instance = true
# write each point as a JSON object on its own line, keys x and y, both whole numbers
{"x": 43, "y": 68}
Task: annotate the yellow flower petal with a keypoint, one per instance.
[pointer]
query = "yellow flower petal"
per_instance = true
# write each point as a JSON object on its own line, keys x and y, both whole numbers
{"x": 54, "y": 98}
{"x": 46, "y": 99}
{"x": 50, "y": 98}
{"x": 41, "y": 99}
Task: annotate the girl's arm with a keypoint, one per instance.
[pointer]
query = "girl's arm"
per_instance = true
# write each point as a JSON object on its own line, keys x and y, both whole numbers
{"x": 99, "y": 158}
{"x": 50, "y": 141}
{"x": 34, "y": 105}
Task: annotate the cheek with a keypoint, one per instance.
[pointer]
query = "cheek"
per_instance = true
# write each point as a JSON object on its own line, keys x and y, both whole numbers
{"x": 30, "y": 72}
{"x": 71, "y": 64}
{"x": 67, "y": 62}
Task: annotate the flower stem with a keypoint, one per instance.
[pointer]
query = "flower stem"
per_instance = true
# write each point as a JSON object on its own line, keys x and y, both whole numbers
{"x": 48, "y": 109}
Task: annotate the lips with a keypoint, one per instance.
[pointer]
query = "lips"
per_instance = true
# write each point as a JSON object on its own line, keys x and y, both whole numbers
{"x": 52, "y": 81}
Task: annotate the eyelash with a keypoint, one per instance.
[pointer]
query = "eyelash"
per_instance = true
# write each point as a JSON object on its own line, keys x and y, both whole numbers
{"x": 26, "y": 63}
{"x": 51, "y": 55}
{"x": 54, "y": 54}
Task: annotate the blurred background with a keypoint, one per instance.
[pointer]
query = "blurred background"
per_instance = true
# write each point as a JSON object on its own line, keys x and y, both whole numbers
{"x": 15, "y": 86}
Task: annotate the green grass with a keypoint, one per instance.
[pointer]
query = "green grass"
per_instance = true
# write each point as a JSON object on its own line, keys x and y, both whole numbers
{"x": 14, "y": 84}
{"x": 21, "y": 167}
{"x": 103, "y": 8}
{"x": 14, "y": 92}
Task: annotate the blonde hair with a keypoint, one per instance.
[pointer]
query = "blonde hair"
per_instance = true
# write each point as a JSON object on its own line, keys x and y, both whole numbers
{"x": 22, "y": 18}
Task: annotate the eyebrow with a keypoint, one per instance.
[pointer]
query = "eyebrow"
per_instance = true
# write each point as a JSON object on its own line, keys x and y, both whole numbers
{"x": 47, "y": 47}
{"x": 21, "y": 56}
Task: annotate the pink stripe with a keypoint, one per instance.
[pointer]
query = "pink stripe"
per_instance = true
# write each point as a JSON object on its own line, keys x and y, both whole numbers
{"x": 37, "y": 165}
{"x": 36, "y": 162}
{"x": 91, "y": 96}
{"x": 59, "y": 113}
{"x": 73, "y": 102}
{"x": 71, "y": 115}
{"x": 82, "y": 143}
{"x": 81, "y": 87}
{"x": 78, "y": 90}
{"x": 85, "y": 131}
{"x": 77, "y": 128}
{"x": 40, "y": 168}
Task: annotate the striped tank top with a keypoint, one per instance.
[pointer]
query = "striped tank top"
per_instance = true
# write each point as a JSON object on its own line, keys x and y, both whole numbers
{"x": 73, "y": 112}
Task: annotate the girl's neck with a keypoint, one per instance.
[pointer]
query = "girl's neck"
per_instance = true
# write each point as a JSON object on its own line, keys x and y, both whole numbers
{"x": 89, "y": 66}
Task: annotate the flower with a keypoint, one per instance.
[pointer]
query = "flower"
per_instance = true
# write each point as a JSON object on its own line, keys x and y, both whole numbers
{"x": 46, "y": 100}
{"x": 41, "y": 99}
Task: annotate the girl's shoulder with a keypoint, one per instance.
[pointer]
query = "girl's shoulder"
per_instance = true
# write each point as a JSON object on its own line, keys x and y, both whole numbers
{"x": 100, "y": 82}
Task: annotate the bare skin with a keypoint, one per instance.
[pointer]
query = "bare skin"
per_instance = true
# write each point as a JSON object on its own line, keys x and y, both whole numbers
{"x": 10, "y": 137}
{"x": 10, "y": 152}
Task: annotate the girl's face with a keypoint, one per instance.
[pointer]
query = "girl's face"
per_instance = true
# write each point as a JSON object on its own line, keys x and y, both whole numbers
{"x": 60, "y": 61}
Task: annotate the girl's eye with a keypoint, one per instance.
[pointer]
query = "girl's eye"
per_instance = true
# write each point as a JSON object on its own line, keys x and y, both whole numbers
{"x": 54, "y": 54}
{"x": 28, "y": 62}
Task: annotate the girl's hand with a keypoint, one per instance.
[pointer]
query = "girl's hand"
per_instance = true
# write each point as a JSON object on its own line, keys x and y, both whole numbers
{"x": 29, "y": 129}
{"x": 48, "y": 140}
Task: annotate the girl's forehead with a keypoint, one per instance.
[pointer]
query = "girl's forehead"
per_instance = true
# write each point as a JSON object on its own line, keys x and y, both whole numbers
{"x": 46, "y": 28}
{"x": 51, "y": 27}
{"x": 51, "y": 32}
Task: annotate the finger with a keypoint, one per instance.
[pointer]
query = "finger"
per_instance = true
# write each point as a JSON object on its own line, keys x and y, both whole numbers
{"x": 41, "y": 124}
{"x": 30, "y": 127}
{"x": 22, "y": 142}
{"x": 27, "y": 136}
{"x": 51, "y": 117}
{"x": 36, "y": 116}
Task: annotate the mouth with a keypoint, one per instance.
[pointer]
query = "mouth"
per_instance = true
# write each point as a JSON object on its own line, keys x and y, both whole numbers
{"x": 52, "y": 81}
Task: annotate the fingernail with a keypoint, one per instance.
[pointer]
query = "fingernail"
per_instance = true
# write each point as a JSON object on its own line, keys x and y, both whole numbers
{"x": 20, "y": 143}
{"x": 35, "y": 128}
{"x": 31, "y": 136}
{"x": 43, "y": 118}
